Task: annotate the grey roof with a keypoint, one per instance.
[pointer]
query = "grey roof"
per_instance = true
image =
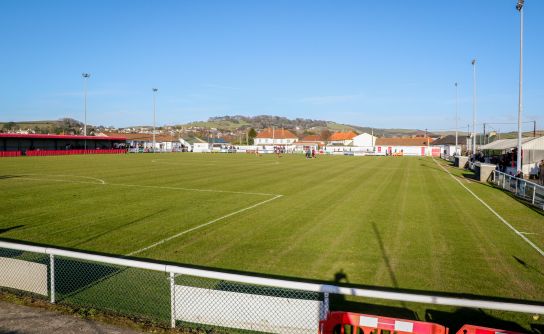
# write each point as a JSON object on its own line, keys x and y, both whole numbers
{"x": 529, "y": 143}
{"x": 192, "y": 140}
{"x": 450, "y": 140}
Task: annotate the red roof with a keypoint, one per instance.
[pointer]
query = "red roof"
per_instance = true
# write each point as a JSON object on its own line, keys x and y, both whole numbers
{"x": 417, "y": 141}
{"x": 312, "y": 138}
{"x": 49, "y": 136}
{"x": 276, "y": 134}
{"x": 342, "y": 136}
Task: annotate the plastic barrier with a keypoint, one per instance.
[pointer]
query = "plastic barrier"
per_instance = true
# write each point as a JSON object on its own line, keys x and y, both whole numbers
{"x": 354, "y": 323}
{"x": 40, "y": 153}
{"x": 471, "y": 329}
{"x": 10, "y": 154}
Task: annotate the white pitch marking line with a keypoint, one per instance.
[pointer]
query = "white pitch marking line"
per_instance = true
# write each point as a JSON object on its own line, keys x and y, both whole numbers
{"x": 24, "y": 176}
{"x": 192, "y": 189}
{"x": 494, "y": 212}
{"x": 141, "y": 186}
{"x": 203, "y": 225}
{"x": 527, "y": 233}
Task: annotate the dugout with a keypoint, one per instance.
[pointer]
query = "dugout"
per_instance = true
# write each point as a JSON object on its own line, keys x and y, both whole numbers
{"x": 32, "y": 142}
{"x": 503, "y": 152}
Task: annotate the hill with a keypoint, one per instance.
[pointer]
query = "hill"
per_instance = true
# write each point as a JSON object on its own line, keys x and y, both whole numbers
{"x": 299, "y": 125}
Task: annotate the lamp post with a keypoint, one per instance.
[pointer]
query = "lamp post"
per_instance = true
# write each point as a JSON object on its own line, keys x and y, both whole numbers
{"x": 456, "y": 117}
{"x": 85, "y": 76}
{"x": 154, "y": 108}
{"x": 474, "y": 107}
{"x": 519, "y": 7}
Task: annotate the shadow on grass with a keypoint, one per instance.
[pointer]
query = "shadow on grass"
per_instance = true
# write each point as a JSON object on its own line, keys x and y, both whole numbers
{"x": 471, "y": 176}
{"x": 537, "y": 328}
{"x": 292, "y": 278}
{"x": 528, "y": 266}
{"x": 7, "y": 229}
{"x": 3, "y": 177}
{"x": 518, "y": 199}
{"x": 455, "y": 320}
{"x": 73, "y": 276}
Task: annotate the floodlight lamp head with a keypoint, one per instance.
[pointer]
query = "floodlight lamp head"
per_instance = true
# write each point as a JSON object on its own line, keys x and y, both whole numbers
{"x": 155, "y": 89}
{"x": 456, "y": 84}
{"x": 473, "y": 61}
{"x": 85, "y": 75}
{"x": 519, "y": 6}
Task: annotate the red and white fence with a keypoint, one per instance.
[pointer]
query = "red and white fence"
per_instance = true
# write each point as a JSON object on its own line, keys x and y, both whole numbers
{"x": 10, "y": 154}
{"x": 40, "y": 153}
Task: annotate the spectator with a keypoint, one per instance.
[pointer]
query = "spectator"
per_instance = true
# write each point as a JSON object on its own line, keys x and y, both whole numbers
{"x": 541, "y": 172}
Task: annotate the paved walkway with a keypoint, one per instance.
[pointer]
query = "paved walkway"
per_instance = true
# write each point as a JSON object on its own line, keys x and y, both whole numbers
{"x": 19, "y": 319}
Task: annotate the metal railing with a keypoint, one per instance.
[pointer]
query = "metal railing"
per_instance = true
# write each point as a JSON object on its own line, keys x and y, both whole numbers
{"x": 175, "y": 295}
{"x": 528, "y": 191}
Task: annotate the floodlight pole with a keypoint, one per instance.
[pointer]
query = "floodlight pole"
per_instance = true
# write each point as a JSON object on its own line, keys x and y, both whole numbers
{"x": 85, "y": 77}
{"x": 474, "y": 107}
{"x": 154, "y": 105}
{"x": 519, "y": 7}
{"x": 456, "y": 117}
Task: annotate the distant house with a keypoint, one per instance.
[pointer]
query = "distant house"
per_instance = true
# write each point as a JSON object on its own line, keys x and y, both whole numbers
{"x": 190, "y": 142}
{"x": 275, "y": 137}
{"x": 364, "y": 140}
{"x": 447, "y": 144}
{"x": 144, "y": 142}
{"x": 419, "y": 146}
{"x": 342, "y": 138}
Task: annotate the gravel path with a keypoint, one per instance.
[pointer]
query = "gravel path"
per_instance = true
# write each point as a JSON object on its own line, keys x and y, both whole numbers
{"x": 19, "y": 319}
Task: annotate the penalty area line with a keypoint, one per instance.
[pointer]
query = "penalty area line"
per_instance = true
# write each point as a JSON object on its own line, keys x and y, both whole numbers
{"x": 102, "y": 182}
{"x": 520, "y": 234}
{"x": 202, "y": 225}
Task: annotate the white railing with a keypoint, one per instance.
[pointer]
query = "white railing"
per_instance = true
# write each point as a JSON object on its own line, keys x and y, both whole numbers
{"x": 529, "y": 191}
{"x": 168, "y": 293}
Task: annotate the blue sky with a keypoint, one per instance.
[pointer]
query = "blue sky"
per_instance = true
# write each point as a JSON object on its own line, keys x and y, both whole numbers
{"x": 385, "y": 64}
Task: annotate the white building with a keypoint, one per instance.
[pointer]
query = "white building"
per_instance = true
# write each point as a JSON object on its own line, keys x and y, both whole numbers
{"x": 364, "y": 140}
{"x": 275, "y": 137}
{"x": 417, "y": 146}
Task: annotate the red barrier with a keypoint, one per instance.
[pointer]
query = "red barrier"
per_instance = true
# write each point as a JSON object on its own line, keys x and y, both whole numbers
{"x": 41, "y": 153}
{"x": 470, "y": 329}
{"x": 353, "y": 323}
{"x": 10, "y": 154}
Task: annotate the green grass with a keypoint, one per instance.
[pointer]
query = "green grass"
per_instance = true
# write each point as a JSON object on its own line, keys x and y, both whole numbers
{"x": 396, "y": 223}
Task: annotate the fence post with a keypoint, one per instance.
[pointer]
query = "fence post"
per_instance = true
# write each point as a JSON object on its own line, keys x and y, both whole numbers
{"x": 172, "y": 301}
{"x": 52, "y": 275}
{"x": 325, "y": 305}
{"x": 534, "y": 193}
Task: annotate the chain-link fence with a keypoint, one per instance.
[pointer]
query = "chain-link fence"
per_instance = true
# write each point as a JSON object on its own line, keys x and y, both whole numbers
{"x": 133, "y": 292}
{"x": 180, "y": 296}
{"x": 154, "y": 292}
{"x": 529, "y": 191}
{"x": 246, "y": 306}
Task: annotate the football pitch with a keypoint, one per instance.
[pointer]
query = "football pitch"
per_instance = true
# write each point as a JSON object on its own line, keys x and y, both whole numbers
{"x": 401, "y": 223}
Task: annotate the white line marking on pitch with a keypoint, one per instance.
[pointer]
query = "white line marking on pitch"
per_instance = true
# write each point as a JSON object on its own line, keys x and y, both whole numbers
{"x": 192, "y": 189}
{"x": 203, "y": 225}
{"x": 24, "y": 176}
{"x": 520, "y": 234}
{"x": 137, "y": 185}
{"x": 527, "y": 233}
